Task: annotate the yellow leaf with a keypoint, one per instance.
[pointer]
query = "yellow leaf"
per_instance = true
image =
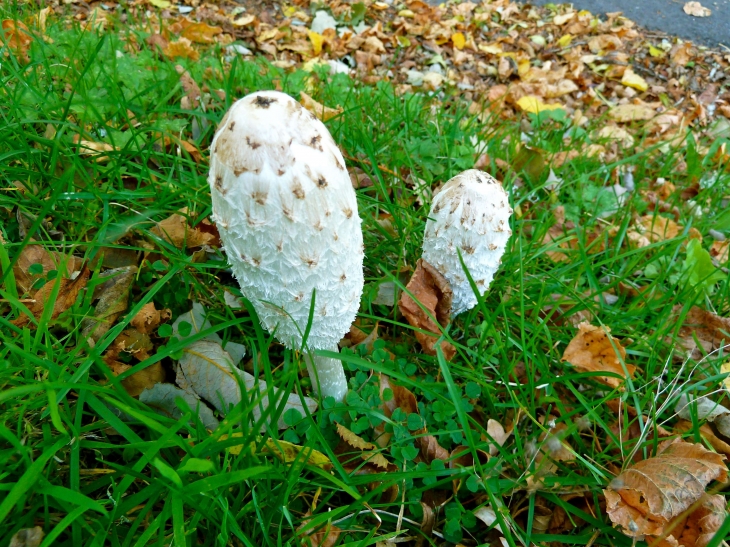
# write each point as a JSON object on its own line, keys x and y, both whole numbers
{"x": 289, "y": 452}
{"x": 201, "y": 33}
{"x": 323, "y": 112}
{"x": 494, "y": 49}
{"x": 656, "y": 52}
{"x": 164, "y": 4}
{"x": 459, "y": 40}
{"x": 565, "y": 40}
{"x": 403, "y": 41}
{"x": 725, "y": 369}
{"x": 244, "y": 20}
{"x": 530, "y": 103}
{"x": 317, "y": 40}
{"x": 289, "y": 11}
{"x": 631, "y": 79}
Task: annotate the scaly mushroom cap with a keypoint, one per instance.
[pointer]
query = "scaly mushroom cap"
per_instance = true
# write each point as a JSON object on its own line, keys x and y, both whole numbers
{"x": 470, "y": 213}
{"x": 287, "y": 215}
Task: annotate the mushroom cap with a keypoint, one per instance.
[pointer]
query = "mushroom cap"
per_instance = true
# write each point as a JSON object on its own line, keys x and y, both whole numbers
{"x": 287, "y": 215}
{"x": 470, "y": 214}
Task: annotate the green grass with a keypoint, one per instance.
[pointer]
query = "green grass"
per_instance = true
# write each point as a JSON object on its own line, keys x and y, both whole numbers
{"x": 69, "y": 462}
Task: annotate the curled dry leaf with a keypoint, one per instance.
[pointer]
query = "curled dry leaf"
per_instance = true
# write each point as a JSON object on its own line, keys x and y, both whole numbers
{"x": 207, "y": 370}
{"x": 666, "y": 495}
{"x": 149, "y": 318}
{"x": 113, "y": 297}
{"x": 707, "y": 434}
{"x": 370, "y": 452}
{"x": 139, "y": 381}
{"x": 432, "y": 290}
{"x": 720, "y": 250}
{"x": 701, "y": 332}
{"x": 201, "y": 33}
{"x": 161, "y": 397}
{"x": 66, "y": 297}
{"x": 323, "y": 112}
{"x": 594, "y": 350}
{"x": 325, "y": 536}
{"x": 695, "y": 9}
{"x": 16, "y": 37}
{"x": 181, "y": 48}
{"x": 27, "y": 537}
{"x": 65, "y": 265}
{"x": 175, "y": 229}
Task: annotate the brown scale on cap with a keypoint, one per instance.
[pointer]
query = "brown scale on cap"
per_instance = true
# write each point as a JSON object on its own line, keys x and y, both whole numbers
{"x": 321, "y": 182}
{"x": 259, "y": 197}
{"x": 316, "y": 143}
{"x": 297, "y": 190}
{"x": 253, "y": 144}
{"x": 347, "y": 212}
{"x": 263, "y": 102}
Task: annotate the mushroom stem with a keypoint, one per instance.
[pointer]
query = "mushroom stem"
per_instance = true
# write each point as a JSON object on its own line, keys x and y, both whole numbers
{"x": 328, "y": 375}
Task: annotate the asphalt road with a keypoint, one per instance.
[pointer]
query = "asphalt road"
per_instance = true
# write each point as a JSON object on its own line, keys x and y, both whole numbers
{"x": 667, "y": 16}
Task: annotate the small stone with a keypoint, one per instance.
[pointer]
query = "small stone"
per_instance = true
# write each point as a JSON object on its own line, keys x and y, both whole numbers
{"x": 717, "y": 236}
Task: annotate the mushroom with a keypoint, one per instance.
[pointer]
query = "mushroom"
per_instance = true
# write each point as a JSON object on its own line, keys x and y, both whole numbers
{"x": 287, "y": 215}
{"x": 470, "y": 215}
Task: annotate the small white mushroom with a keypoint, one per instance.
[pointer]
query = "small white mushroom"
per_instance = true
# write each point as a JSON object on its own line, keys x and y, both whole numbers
{"x": 287, "y": 216}
{"x": 470, "y": 215}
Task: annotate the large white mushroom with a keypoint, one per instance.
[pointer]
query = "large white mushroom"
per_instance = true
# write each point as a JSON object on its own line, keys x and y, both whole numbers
{"x": 287, "y": 215}
{"x": 469, "y": 215}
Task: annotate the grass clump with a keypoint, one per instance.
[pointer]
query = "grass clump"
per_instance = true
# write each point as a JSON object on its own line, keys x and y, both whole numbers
{"x": 96, "y": 150}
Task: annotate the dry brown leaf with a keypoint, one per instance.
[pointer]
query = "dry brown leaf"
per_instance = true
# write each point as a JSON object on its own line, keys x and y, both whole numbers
{"x": 139, "y": 381}
{"x": 432, "y": 290}
{"x": 201, "y": 33}
{"x": 653, "y": 228}
{"x": 181, "y": 48}
{"x": 594, "y": 350}
{"x": 701, "y": 329}
{"x": 326, "y": 536}
{"x": 149, "y": 318}
{"x": 113, "y": 297}
{"x": 67, "y": 293}
{"x": 323, "y": 112}
{"x": 695, "y": 9}
{"x": 462, "y": 456}
{"x": 130, "y": 341}
{"x": 651, "y": 497}
{"x": 192, "y": 91}
{"x": 717, "y": 444}
{"x": 31, "y": 254}
{"x": 721, "y": 251}
{"x": 175, "y": 229}
{"x": 16, "y": 37}
{"x": 96, "y": 149}
{"x": 27, "y": 537}
{"x": 632, "y": 112}
{"x": 553, "y": 444}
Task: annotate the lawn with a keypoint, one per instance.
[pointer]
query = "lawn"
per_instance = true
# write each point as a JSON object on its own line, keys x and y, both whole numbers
{"x": 113, "y": 278}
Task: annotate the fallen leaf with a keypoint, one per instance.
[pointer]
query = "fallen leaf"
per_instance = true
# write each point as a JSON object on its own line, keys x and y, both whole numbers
{"x": 149, "y": 318}
{"x": 161, "y": 397}
{"x": 317, "y": 41}
{"x": 66, "y": 297}
{"x": 720, "y": 250}
{"x": 175, "y": 229}
{"x": 113, "y": 297}
{"x": 530, "y": 103}
{"x": 16, "y": 37}
{"x": 370, "y": 452}
{"x": 497, "y": 436}
{"x": 97, "y": 150}
{"x": 695, "y": 9}
{"x": 632, "y": 112}
{"x": 717, "y": 444}
{"x": 289, "y": 452}
{"x": 651, "y": 497}
{"x": 130, "y": 341}
{"x": 181, "y": 48}
{"x": 32, "y": 254}
{"x": 594, "y": 350}
{"x": 325, "y": 536}
{"x": 701, "y": 332}
{"x": 322, "y": 112}
{"x": 201, "y": 33}
{"x": 136, "y": 383}
{"x": 27, "y": 537}
{"x": 192, "y": 91}
{"x": 209, "y": 371}
{"x": 631, "y": 79}
{"x": 459, "y": 40}
{"x": 432, "y": 290}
